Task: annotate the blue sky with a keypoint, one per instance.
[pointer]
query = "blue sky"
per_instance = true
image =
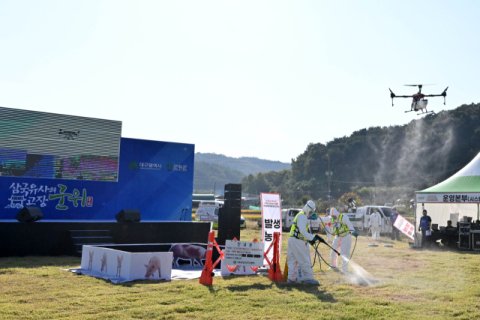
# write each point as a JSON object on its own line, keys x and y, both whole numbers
{"x": 240, "y": 78}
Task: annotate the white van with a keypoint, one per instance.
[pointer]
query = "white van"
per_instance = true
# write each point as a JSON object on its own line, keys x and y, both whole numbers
{"x": 208, "y": 211}
{"x": 361, "y": 218}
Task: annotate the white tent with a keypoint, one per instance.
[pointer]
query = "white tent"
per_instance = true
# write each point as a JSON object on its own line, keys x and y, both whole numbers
{"x": 458, "y": 194}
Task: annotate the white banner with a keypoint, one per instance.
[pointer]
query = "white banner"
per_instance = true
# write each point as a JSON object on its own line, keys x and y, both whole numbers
{"x": 447, "y": 197}
{"x": 404, "y": 226}
{"x": 271, "y": 221}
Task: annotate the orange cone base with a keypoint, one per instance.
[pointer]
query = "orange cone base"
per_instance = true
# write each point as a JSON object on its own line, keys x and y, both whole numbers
{"x": 206, "y": 278}
{"x": 278, "y": 274}
{"x": 271, "y": 274}
{"x": 275, "y": 275}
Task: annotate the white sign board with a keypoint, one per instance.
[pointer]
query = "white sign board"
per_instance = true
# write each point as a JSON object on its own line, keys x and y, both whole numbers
{"x": 404, "y": 226}
{"x": 447, "y": 197}
{"x": 237, "y": 270}
{"x": 242, "y": 253}
{"x": 271, "y": 221}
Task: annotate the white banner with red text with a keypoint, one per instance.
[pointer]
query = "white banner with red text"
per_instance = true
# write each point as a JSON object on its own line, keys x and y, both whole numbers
{"x": 271, "y": 220}
{"x": 404, "y": 226}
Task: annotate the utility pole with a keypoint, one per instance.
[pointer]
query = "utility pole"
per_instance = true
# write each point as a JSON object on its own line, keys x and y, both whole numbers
{"x": 329, "y": 176}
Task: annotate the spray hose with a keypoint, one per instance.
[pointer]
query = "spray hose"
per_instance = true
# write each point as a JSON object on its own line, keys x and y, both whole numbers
{"x": 319, "y": 255}
{"x": 354, "y": 246}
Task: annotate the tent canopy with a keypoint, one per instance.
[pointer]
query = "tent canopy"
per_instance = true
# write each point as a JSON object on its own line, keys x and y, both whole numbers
{"x": 466, "y": 180}
{"x": 458, "y": 194}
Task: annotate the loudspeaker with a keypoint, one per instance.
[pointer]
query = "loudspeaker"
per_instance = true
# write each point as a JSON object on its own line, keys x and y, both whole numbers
{"x": 128, "y": 215}
{"x": 231, "y": 203}
{"x": 29, "y": 214}
{"x": 231, "y": 195}
{"x": 233, "y": 187}
{"x": 233, "y": 191}
{"x": 229, "y": 215}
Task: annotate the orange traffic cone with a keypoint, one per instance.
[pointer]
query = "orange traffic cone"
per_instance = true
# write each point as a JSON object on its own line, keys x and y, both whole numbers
{"x": 275, "y": 273}
{"x": 206, "y": 277}
{"x": 278, "y": 271}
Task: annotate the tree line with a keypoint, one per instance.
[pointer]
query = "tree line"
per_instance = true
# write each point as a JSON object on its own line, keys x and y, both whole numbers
{"x": 379, "y": 164}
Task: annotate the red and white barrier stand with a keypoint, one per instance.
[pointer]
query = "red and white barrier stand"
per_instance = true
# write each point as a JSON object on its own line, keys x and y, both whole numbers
{"x": 274, "y": 273}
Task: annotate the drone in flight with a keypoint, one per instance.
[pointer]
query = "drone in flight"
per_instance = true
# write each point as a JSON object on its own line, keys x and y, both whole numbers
{"x": 418, "y": 99}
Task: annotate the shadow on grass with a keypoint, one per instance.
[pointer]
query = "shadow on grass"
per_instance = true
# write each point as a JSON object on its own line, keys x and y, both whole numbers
{"x": 29, "y": 262}
{"x": 443, "y": 248}
{"x": 284, "y": 286}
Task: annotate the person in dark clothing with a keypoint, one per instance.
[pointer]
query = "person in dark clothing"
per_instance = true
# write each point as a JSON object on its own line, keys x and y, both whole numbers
{"x": 425, "y": 225}
{"x": 449, "y": 227}
{"x": 395, "y": 235}
{"x": 450, "y": 238}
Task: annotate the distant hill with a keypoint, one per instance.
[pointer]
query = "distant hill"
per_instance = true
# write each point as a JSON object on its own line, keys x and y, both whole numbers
{"x": 210, "y": 175}
{"x": 246, "y": 165}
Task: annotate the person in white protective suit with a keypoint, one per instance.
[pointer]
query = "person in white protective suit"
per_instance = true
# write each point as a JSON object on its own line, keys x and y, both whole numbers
{"x": 343, "y": 230}
{"x": 375, "y": 224}
{"x": 328, "y": 227}
{"x": 298, "y": 254}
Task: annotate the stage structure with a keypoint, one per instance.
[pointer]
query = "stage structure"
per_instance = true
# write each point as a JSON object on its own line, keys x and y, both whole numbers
{"x": 81, "y": 173}
{"x": 89, "y": 173}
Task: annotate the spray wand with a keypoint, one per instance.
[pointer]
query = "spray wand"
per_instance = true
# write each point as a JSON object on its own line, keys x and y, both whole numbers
{"x": 320, "y": 239}
{"x": 312, "y": 243}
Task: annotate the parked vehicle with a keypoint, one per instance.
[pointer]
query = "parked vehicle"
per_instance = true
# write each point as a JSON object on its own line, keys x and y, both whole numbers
{"x": 209, "y": 211}
{"x": 361, "y": 218}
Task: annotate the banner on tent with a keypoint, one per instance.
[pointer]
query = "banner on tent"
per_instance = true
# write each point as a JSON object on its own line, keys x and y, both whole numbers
{"x": 271, "y": 220}
{"x": 404, "y": 226}
{"x": 448, "y": 197}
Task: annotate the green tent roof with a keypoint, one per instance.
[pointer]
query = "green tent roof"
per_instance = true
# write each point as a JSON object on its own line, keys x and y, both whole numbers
{"x": 465, "y": 180}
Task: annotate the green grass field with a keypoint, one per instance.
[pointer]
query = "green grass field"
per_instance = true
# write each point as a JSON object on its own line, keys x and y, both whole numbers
{"x": 408, "y": 284}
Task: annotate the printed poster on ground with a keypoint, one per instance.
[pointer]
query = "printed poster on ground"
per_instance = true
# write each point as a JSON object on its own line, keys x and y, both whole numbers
{"x": 404, "y": 226}
{"x": 271, "y": 221}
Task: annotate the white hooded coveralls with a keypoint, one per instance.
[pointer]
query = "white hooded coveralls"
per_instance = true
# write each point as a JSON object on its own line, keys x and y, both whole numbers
{"x": 298, "y": 254}
{"x": 341, "y": 243}
{"x": 375, "y": 223}
{"x": 328, "y": 228}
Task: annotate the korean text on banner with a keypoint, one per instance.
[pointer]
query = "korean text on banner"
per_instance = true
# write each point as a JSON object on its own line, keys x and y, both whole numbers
{"x": 243, "y": 253}
{"x": 406, "y": 227}
{"x": 271, "y": 221}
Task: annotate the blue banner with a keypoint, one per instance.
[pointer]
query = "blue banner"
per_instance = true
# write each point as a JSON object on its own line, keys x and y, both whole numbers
{"x": 154, "y": 177}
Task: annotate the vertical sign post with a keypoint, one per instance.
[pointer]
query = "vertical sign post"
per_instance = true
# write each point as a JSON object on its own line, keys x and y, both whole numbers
{"x": 271, "y": 221}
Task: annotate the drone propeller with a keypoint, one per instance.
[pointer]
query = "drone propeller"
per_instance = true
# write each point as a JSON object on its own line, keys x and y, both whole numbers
{"x": 419, "y": 85}
{"x": 392, "y": 95}
{"x": 444, "y": 94}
